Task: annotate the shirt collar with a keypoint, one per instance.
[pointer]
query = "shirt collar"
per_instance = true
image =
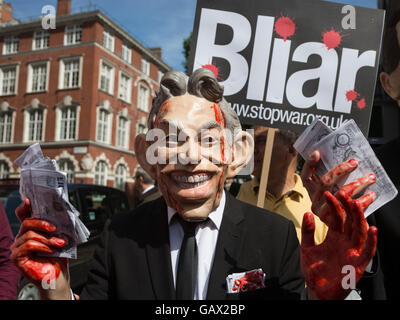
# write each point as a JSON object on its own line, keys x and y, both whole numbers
{"x": 215, "y": 216}
{"x": 148, "y": 189}
{"x": 297, "y": 189}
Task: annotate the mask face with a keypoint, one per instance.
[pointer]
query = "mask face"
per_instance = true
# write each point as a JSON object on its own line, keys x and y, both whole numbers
{"x": 192, "y": 156}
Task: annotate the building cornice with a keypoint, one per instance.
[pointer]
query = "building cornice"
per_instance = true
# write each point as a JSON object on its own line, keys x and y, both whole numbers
{"x": 85, "y": 17}
{"x": 66, "y": 144}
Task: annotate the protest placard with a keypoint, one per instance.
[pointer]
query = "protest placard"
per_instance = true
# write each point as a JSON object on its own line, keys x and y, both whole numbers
{"x": 285, "y": 62}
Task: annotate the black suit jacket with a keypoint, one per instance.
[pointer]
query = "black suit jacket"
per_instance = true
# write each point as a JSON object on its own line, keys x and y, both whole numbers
{"x": 133, "y": 260}
{"x": 387, "y": 220}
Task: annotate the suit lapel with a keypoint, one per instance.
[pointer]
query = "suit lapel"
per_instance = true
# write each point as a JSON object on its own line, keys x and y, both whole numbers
{"x": 227, "y": 249}
{"x": 158, "y": 252}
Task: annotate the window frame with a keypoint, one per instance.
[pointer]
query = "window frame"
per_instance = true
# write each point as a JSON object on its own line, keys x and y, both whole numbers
{"x": 126, "y": 53}
{"x": 108, "y": 40}
{"x": 7, "y": 129}
{"x": 105, "y": 172}
{"x": 128, "y": 97}
{"x": 2, "y": 72}
{"x": 4, "y": 164}
{"x": 44, "y": 38}
{"x": 11, "y": 44}
{"x": 112, "y": 76}
{"x": 31, "y": 67}
{"x": 35, "y": 124}
{"x": 124, "y": 132}
{"x": 142, "y": 99}
{"x": 61, "y": 79}
{"x": 145, "y": 67}
{"x": 105, "y": 128}
{"x": 120, "y": 179}
{"x": 68, "y": 173}
{"x": 75, "y": 29}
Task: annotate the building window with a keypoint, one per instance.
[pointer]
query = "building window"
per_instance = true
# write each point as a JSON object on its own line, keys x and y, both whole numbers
{"x": 41, "y": 40}
{"x": 6, "y": 119}
{"x": 122, "y": 132}
{"x": 141, "y": 126}
{"x": 37, "y": 79}
{"x": 73, "y": 34}
{"x": 103, "y": 126}
{"x": 35, "y": 125}
{"x": 70, "y": 73}
{"x": 125, "y": 87}
{"x": 8, "y": 80}
{"x": 143, "y": 103}
{"x": 126, "y": 53}
{"x": 4, "y": 170}
{"x": 108, "y": 41}
{"x": 120, "y": 177}
{"x": 106, "y": 77}
{"x": 160, "y": 75}
{"x": 66, "y": 166}
{"x": 10, "y": 45}
{"x": 145, "y": 67}
{"x": 68, "y": 123}
{"x": 100, "y": 173}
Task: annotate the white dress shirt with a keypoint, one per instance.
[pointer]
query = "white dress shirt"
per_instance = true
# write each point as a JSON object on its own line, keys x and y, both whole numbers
{"x": 206, "y": 240}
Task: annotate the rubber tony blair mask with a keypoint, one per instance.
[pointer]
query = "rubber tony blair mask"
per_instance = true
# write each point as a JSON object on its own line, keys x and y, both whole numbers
{"x": 194, "y": 143}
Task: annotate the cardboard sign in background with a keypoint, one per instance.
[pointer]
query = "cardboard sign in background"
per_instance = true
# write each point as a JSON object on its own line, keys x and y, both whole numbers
{"x": 285, "y": 62}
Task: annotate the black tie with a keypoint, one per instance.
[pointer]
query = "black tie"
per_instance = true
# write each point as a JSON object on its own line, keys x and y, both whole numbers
{"x": 187, "y": 264}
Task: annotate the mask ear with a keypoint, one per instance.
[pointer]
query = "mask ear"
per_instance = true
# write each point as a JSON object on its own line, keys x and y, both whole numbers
{"x": 141, "y": 146}
{"x": 387, "y": 86}
{"x": 384, "y": 77}
{"x": 242, "y": 153}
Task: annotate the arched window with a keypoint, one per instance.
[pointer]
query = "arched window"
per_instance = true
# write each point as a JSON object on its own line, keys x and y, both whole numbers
{"x": 4, "y": 170}
{"x": 100, "y": 173}
{"x": 5, "y": 126}
{"x": 120, "y": 177}
{"x": 35, "y": 125}
{"x": 68, "y": 124}
{"x": 68, "y": 168}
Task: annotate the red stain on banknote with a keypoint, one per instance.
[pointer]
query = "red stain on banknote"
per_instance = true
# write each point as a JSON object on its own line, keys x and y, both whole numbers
{"x": 250, "y": 281}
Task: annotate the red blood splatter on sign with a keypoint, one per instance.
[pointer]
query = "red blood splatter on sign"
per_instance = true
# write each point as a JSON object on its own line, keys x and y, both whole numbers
{"x": 331, "y": 39}
{"x": 361, "y": 104}
{"x": 352, "y": 95}
{"x": 285, "y": 27}
{"x": 214, "y": 69}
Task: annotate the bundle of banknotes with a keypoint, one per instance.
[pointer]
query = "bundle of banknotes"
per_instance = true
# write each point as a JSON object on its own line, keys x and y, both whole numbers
{"x": 343, "y": 144}
{"x": 46, "y": 188}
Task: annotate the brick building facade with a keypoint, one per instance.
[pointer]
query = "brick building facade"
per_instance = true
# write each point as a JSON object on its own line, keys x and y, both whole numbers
{"x": 83, "y": 90}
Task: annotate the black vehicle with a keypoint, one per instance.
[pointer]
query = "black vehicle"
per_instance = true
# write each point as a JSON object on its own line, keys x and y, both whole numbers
{"x": 95, "y": 203}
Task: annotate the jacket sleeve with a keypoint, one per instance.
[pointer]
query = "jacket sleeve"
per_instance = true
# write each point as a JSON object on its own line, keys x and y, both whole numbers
{"x": 291, "y": 281}
{"x": 9, "y": 274}
{"x": 98, "y": 281}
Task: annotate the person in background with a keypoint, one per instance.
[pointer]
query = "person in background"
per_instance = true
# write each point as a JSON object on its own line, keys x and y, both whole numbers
{"x": 145, "y": 188}
{"x": 387, "y": 218}
{"x": 285, "y": 194}
{"x": 9, "y": 274}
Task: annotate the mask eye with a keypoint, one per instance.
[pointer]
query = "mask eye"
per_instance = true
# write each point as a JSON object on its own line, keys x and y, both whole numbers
{"x": 208, "y": 141}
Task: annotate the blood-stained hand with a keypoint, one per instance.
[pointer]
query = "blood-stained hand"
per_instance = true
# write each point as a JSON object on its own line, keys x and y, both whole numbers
{"x": 50, "y": 275}
{"x": 317, "y": 187}
{"x": 349, "y": 242}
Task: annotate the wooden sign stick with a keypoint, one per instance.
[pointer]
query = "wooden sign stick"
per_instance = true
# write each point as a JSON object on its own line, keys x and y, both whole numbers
{"x": 265, "y": 168}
